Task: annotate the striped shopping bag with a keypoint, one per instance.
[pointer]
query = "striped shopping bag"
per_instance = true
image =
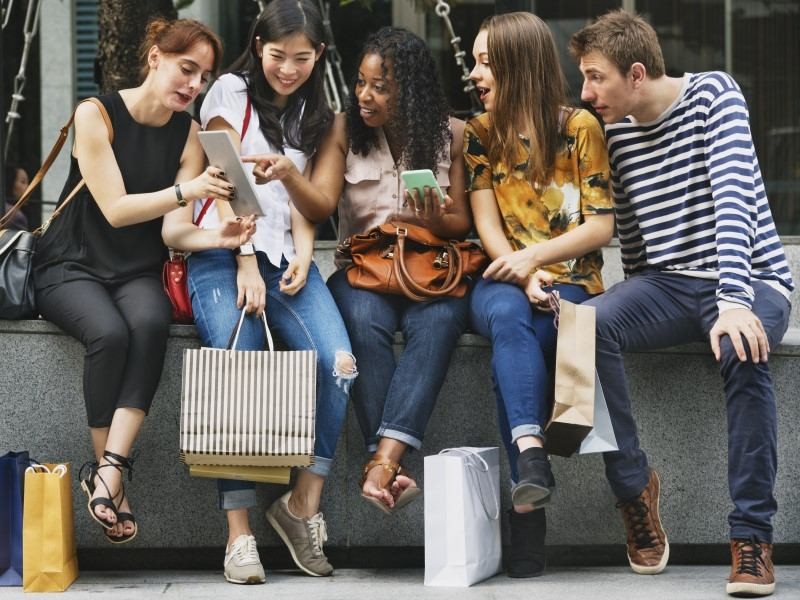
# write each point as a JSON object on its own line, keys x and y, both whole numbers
{"x": 248, "y": 408}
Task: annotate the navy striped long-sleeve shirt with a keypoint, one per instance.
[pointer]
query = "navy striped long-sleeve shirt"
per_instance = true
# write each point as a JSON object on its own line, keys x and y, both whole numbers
{"x": 688, "y": 193}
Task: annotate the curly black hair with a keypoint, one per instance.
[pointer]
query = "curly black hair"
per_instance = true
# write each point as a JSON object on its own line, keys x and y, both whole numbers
{"x": 422, "y": 112}
{"x": 307, "y": 117}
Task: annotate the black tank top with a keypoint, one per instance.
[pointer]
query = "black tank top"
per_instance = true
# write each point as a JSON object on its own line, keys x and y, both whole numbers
{"x": 81, "y": 244}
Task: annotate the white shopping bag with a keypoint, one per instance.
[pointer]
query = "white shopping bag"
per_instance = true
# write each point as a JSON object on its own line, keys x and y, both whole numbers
{"x": 462, "y": 516}
{"x": 601, "y": 438}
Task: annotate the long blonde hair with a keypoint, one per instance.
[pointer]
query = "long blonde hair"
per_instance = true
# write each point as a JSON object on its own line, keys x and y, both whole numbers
{"x": 530, "y": 91}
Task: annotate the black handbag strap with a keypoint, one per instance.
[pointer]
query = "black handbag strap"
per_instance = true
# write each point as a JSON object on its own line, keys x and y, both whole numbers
{"x": 48, "y": 162}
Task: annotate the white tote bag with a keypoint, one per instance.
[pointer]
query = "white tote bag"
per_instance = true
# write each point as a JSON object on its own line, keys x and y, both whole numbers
{"x": 462, "y": 516}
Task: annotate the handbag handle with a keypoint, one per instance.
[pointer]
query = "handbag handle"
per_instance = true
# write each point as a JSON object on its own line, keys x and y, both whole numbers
{"x": 235, "y": 335}
{"x": 48, "y": 162}
{"x": 470, "y": 454}
{"x": 411, "y": 288}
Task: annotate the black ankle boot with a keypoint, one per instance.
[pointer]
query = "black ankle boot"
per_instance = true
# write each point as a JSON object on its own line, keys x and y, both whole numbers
{"x": 527, "y": 555}
{"x": 536, "y": 481}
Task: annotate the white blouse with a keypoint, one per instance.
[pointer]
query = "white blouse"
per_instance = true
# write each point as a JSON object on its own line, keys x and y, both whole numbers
{"x": 227, "y": 99}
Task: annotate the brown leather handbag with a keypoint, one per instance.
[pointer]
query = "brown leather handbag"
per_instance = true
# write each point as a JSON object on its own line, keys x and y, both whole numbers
{"x": 405, "y": 259}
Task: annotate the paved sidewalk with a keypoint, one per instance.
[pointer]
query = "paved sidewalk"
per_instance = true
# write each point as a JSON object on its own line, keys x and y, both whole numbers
{"x": 565, "y": 583}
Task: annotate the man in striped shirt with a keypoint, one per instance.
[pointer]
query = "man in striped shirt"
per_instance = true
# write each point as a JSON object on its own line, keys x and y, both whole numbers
{"x": 702, "y": 261}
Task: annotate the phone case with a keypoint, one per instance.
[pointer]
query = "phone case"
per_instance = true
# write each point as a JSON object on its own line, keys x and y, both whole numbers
{"x": 421, "y": 178}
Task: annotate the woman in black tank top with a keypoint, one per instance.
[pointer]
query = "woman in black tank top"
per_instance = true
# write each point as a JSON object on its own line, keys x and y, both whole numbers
{"x": 98, "y": 267}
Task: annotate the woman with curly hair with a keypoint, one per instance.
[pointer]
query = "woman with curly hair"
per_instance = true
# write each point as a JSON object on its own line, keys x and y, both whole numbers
{"x": 397, "y": 120}
{"x": 538, "y": 182}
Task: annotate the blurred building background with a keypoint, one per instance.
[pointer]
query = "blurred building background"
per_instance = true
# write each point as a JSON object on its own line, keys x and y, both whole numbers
{"x": 757, "y": 41}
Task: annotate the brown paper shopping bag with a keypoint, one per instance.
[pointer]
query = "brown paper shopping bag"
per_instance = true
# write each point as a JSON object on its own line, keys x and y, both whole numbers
{"x": 49, "y": 554}
{"x": 573, "y": 407}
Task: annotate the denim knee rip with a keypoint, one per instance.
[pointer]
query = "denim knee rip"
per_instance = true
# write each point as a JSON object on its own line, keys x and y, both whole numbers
{"x": 345, "y": 370}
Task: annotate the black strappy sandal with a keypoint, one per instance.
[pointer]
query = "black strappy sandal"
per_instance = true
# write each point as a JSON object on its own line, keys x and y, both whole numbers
{"x": 126, "y": 463}
{"x": 88, "y": 486}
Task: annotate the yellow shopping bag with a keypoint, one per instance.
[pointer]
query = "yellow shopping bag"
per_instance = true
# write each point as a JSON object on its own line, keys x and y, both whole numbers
{"x": 49, "y": 554}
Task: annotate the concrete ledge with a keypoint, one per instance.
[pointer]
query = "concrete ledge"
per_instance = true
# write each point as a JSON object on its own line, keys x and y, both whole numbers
{"x": 678, "y": 402}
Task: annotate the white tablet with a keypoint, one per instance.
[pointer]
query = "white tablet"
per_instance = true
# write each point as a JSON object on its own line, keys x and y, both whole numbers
{"x": 222, "y": 154}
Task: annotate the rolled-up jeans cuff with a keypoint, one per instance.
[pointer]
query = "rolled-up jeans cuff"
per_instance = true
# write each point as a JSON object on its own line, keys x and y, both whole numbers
{"x": 744, "y": 532}
{"x": 321, "y": 466}
{"x": 523, "y": 430}
{"x": 400, "y": 436}
{"x": 235, "y": 499}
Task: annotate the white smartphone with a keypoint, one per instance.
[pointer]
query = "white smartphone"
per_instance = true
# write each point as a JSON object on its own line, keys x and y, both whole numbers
{"x": 419, "y": 180}
{"x": 221, "y": 154}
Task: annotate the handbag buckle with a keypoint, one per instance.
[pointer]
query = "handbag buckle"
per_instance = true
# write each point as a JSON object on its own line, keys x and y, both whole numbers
{"x": 401, "y": 231}
{"x": 344, "y": 250}
{"x": 442, "y": 260}
{"x": 387, "y": 251}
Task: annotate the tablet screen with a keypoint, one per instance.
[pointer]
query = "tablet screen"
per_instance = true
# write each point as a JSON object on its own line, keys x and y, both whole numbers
{"x": 221, "y": 154}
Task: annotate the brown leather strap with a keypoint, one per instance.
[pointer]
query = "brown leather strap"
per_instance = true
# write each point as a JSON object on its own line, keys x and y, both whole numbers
{"x": 390, "y": 470}
{"x": 411, "y": 288}
{"x": 406, "y": 290}
{"x": 48, "y": 162}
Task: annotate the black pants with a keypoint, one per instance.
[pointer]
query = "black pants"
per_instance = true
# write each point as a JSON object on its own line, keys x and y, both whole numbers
{"x": 124, "y": 329}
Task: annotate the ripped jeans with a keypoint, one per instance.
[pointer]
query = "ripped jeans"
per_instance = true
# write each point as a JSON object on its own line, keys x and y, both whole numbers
{"x": 309, "y": 320}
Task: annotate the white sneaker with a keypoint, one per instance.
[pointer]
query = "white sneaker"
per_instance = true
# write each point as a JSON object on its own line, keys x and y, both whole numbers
{"x": 242, "y": 564}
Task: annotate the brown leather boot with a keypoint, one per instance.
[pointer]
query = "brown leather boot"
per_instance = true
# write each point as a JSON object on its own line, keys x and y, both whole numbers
{"x": 752, "y": 572}
{"x": 648, "y": 549}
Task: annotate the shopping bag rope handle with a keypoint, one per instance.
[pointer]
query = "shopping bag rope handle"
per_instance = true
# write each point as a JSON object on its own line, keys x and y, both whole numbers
{"x": 554, "y": 299}
{"x": 485, "y": 469}
{"x": 235, "y": 335}
{"x": 59, "y": 470}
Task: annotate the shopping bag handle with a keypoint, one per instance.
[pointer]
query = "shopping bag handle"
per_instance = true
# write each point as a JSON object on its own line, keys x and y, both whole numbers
{"x": 554, "y": 302}
{"x": 235, "y": 334}
{"x": 59, "y": 470}
{"x": 467, "y": 454}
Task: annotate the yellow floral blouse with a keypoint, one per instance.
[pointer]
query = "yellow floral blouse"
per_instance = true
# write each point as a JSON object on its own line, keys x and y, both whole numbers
{"x": 580, "y": 186}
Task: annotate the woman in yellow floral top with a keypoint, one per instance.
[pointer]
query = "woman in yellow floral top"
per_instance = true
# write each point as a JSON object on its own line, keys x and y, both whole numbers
{"x": 538, "y": 178}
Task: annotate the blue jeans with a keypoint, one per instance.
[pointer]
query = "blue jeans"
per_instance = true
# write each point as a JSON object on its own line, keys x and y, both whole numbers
{"x": 655, "y": 310}
{"x": 523, "y": 356}
{"x": 395, "y": 398}
{"x": 308, "y": 320}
